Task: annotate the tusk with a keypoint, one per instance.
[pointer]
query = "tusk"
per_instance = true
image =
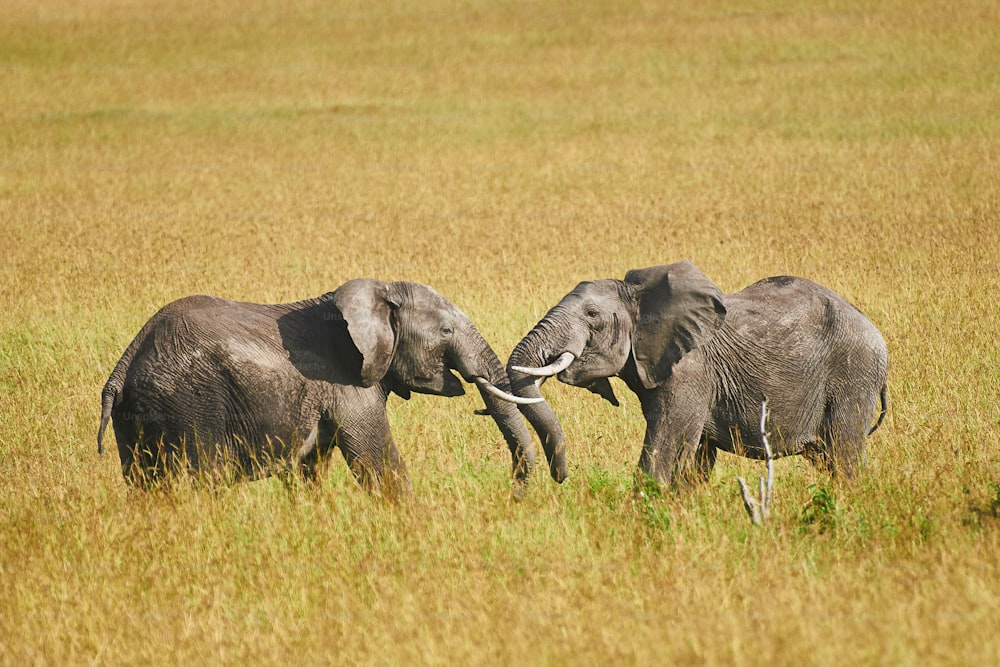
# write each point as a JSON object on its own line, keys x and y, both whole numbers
{"x": 556, "y": 367}
{"x": 490, "y": 388}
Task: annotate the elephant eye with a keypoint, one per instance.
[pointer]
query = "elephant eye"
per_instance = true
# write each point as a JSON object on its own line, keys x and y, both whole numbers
{"x": 446, "y": 330}
{"x": 592, "y": 313}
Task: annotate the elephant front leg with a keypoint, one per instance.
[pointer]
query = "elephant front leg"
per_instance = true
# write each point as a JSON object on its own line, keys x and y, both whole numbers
{"x": 670, "y": 451}
{"x": 309, "y": 455}
{"x": 372, "y": 456}
{"x": 704, "y": 460}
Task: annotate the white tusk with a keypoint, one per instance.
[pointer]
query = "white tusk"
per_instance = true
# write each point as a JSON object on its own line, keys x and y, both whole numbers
{"x": 556, "y": 367}
{"x": 490, "y": 388}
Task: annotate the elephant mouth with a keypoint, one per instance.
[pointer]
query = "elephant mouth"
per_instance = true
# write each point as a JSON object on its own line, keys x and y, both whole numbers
{"x": 579, "y": 375}
{"x": 586, "y": 370}
{"x": 445, "y": 383}
{"x": 452, "y": 385}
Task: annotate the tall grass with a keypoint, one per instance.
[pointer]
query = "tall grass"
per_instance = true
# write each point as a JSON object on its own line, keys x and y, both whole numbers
{"x": 501, "y": 153}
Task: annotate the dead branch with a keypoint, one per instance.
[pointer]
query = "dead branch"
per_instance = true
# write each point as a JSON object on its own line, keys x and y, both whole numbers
{"x": 759, "y": 508}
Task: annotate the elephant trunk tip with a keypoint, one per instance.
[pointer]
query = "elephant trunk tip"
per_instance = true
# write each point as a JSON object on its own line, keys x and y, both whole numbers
{"x": 558, "y": 466}
{"x": 523, "y": 466}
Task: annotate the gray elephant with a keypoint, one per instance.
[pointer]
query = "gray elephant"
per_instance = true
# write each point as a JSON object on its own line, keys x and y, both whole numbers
{"x": 702, "y": 362}
{"x": 250, "y": 389}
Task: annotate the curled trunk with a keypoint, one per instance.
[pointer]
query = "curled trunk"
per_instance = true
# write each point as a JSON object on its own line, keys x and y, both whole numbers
{"x": 530, "y": 353}
{"x": 474, "y": 358}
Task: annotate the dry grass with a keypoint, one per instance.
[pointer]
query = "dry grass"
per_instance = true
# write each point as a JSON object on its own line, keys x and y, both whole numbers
{"x": 502, "y": 153}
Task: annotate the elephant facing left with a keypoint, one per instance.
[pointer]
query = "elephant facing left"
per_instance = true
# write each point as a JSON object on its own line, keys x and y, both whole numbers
{"x": 246, "y": 390}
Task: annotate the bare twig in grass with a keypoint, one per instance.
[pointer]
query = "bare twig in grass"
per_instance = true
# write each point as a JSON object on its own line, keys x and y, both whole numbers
{"x": 759, "y": 508}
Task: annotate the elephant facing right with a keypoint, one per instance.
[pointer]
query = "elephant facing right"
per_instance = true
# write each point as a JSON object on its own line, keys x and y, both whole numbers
{"x": 701, "y": 363}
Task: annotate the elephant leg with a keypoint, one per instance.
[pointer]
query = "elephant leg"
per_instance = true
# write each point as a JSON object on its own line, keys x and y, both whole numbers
{"x": 375, "y": 462}
{"x": 657, "y": 454}
{"x": 672, "y": 456}
{"x": 140, "y": 451}
{"x": 704, "y": 460}
{"x": 674, "y": 426}
{"x": 128, "y": 449}
{"x": 303, "y": 462}
{"x": 138, "y": 468}
{"x": 843, "y": 439}
{"x": 307, "y": 458}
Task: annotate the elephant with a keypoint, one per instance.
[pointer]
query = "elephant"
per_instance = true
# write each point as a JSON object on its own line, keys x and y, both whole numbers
{"x": 215, "y": 386}
{"x": 702, "y": 362}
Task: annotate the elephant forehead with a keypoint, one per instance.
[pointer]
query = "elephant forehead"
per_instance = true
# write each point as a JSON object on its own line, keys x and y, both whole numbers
{"x": 427, "y": 304}
{"x": 593, "y": 290}
{"x": 420, "y": 296}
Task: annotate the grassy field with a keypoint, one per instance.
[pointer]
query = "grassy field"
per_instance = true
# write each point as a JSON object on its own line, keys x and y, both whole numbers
{"x": 500, "y": 152}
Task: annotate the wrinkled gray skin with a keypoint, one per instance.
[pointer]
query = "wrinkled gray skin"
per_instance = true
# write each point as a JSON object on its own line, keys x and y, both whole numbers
{"x": 701, "y": 362}
{"x": 210, "y": 384}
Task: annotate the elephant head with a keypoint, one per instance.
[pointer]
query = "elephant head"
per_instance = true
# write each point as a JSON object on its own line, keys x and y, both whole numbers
{"x": 650, "y": 320}
{"x": 414, "y": 337}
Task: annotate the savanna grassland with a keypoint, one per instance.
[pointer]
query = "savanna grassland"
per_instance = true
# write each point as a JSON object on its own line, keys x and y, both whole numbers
{"x": 501, "y": 152}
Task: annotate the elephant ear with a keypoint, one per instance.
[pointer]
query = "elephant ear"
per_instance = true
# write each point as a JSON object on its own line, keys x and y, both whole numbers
{"x": 680, "y": 309}
{"x": 367, "y": 306}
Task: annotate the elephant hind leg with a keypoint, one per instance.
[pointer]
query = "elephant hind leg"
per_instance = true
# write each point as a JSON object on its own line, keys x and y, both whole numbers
{"x": 141, "y": 454}
{"x": 817, "y": 453}
{"x": 841, "y": 448}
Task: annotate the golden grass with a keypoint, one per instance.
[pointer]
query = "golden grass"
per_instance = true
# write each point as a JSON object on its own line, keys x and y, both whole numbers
{"x": 502, "y": 153}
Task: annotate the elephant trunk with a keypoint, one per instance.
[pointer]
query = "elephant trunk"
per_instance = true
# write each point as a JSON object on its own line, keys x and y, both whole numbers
{"x": 475, "y": 360}
{"x": 532, "y": 352}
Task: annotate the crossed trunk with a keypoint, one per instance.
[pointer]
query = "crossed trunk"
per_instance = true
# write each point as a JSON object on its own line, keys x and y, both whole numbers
{"x": 473, "y": 358}
{"x": 530, "y": 354}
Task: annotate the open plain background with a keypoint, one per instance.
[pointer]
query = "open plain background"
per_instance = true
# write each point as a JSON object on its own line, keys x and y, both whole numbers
{"x": 501, "y": 152}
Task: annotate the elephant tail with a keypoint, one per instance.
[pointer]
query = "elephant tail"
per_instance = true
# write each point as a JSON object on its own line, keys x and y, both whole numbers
{"x": 108, "y": 399}
{"x": 112, "y": 392}
{"x": 884, "y": 398}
